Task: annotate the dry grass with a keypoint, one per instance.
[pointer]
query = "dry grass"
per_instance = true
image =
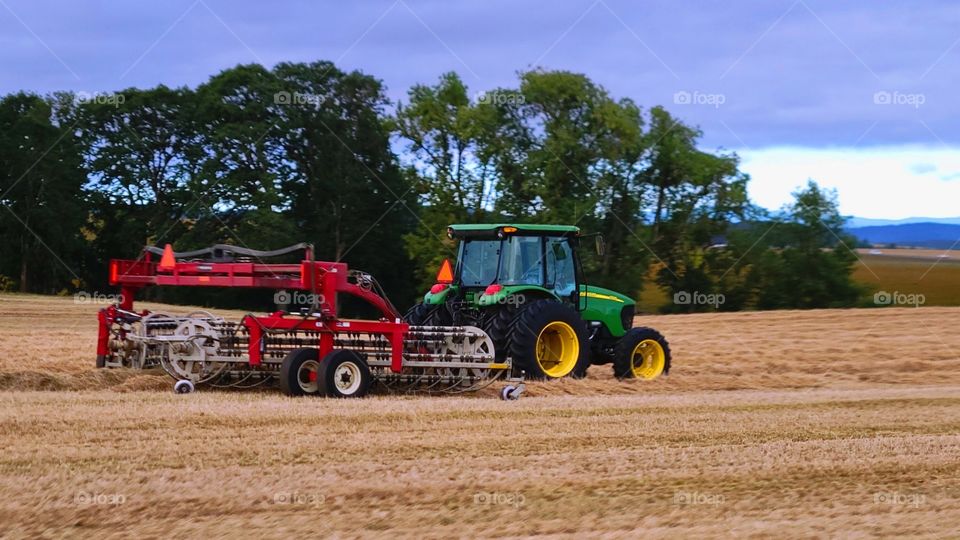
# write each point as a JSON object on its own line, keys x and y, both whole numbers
{"x": 823, "y": 423}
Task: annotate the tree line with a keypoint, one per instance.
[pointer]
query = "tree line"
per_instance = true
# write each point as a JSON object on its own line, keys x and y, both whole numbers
{"x": 264, "y": 158}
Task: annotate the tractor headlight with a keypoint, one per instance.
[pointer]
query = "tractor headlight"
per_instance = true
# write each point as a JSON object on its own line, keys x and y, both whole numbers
{"x": 626, "y": 316}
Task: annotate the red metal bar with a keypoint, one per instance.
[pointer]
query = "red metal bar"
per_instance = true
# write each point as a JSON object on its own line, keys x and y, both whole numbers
{"x": 127, "y": 293}
{"x": 105, "y": 318}
{"x": 325, "y": 346}
{"x": 256, "y": 341}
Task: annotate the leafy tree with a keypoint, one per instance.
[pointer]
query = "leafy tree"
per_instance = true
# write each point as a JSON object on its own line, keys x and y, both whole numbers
{"x": 344, "y": 190}
{"x": 548, "y": 140}
{"x": 242, "y": 139}
{"x": 141, "y": 150}
{"x": 697, "y": 195}
{"x": 812, "y": 262}
{"x": 453, "y": 184}
{"x": 40, "y": 186}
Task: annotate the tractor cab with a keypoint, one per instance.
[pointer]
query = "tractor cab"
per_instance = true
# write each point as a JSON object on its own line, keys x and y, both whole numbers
{"x": 495, "y": 261}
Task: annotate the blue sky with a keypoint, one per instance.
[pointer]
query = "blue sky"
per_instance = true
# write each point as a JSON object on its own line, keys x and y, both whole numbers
{"x": 860, "y": 97}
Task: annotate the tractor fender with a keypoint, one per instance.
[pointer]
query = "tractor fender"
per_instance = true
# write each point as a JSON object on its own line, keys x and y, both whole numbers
{"x": 528, "y": 292}
{"x": 437, "y": 298}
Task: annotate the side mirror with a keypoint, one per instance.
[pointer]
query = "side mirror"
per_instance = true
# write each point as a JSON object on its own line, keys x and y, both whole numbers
{"x": 600, "y": 245}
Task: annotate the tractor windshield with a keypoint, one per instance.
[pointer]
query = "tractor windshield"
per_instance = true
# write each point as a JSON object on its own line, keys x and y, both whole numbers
{"x": 518, "y": 260}
{"x": 522, "y": 262}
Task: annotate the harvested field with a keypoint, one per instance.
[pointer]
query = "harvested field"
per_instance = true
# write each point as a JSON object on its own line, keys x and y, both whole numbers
{"x": 819, "y": 423}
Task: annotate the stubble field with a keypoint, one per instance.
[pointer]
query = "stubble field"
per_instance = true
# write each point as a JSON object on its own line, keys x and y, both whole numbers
{"x": 819, "y": 423}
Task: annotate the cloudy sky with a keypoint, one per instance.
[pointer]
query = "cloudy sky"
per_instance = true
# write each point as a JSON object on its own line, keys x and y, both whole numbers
{"x": 858, "y": 97}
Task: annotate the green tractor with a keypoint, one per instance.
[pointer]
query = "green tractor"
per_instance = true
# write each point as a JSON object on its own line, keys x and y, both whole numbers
{"x": 523, "y": 285}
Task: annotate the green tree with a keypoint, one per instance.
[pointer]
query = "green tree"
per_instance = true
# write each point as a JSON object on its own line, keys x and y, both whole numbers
{"x": 811, "y": 262}
{"x": 141, "y": 152}
{"x": 343, "y": 188}
{"x": 565, "y": 151}
{"x": 41, "y": 178}
{"x": 452, "y": 182}
{"x": 696, "y": 195}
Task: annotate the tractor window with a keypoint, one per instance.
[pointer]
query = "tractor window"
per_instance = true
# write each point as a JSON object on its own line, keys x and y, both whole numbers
{"x": 478, "y": 262}
{"x": 560, "y": 267}
{"x": 522, "y": 261}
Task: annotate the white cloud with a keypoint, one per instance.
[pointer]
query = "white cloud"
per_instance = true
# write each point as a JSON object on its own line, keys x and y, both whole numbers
{"x": 892, "y": 182}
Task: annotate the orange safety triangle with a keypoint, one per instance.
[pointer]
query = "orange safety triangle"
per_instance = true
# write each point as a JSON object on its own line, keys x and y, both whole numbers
{"x": 445, "y": 275}
{"x": 168, "y": 262}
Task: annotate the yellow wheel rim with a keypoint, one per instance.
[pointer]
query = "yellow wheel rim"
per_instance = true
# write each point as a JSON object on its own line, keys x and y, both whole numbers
{"x": 648, "y": 360}
{"x": 557, "y": 349}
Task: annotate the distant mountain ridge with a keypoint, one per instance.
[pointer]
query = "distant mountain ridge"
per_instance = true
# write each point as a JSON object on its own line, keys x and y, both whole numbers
{"x": 854, "y": 222}
{"x": 919, "y": 234}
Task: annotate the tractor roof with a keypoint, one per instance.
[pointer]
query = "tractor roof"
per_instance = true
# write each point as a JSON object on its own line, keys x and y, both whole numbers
{"x": 476, "y": 230}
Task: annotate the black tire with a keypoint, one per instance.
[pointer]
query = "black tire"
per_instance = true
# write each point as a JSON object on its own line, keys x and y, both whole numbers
{"x": 101, "y": 361}
{"x": 296, "y": 366}
{"x": 527, "y": 326}
{"x": 340, "y": 364}
{"x": 623, "y": 352}
{"x": 497, "y": 322}
{"x": 427, "y": 315}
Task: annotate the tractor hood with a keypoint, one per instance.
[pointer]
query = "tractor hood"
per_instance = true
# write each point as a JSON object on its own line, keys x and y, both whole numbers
{"x": 591, "y": 293}
{"x": 611, "y": 308}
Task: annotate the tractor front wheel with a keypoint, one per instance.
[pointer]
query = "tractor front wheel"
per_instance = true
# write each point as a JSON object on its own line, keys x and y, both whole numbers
{"x": 643, "y": 353}
{"x": 549, "y": 340}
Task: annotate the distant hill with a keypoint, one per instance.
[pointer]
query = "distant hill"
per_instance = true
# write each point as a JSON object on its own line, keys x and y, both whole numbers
{"x": 927, "y": 235}
{"x": 858, "y": 222}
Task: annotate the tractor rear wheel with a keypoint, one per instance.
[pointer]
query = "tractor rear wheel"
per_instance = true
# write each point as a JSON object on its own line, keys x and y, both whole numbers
{"x": 643, "y": 353}
{"x": 344, "y": 374}
{"x": 497, "y": 322}
{"x": 299, "y": 372}
{"x": 427, "y": 315}
{"x": 549, "y": 340}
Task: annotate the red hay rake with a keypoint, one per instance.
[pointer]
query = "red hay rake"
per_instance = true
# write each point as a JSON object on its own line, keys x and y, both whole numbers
{"x": 314, "y": 351}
